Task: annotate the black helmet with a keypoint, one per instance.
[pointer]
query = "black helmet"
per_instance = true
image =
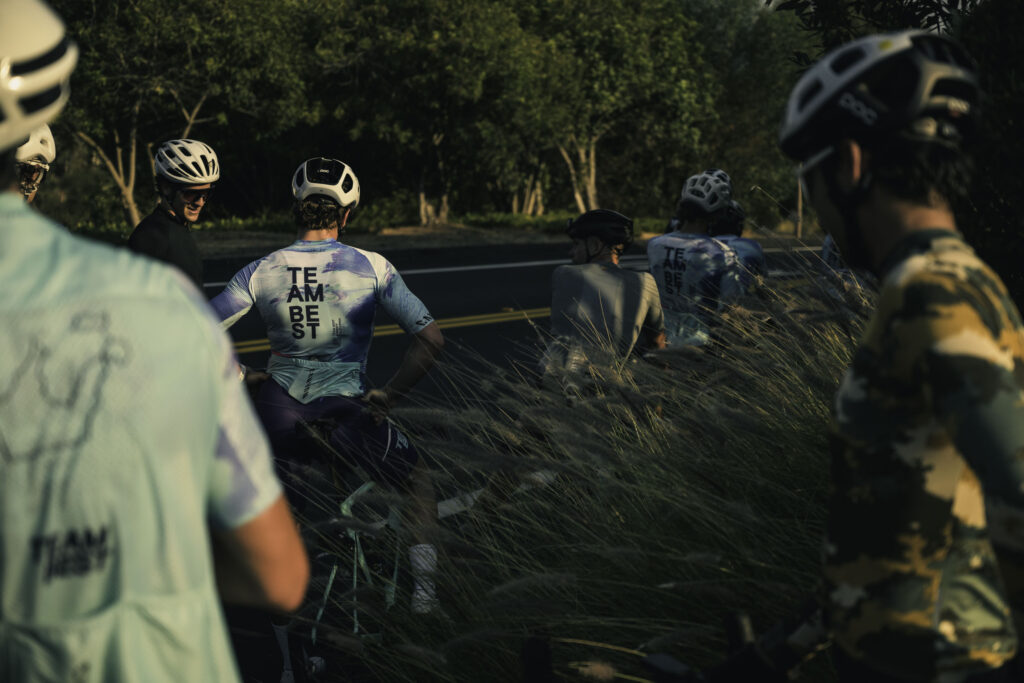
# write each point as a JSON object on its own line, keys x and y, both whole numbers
{"x": 912, "y": 82}
{"x": 610, "y": 227}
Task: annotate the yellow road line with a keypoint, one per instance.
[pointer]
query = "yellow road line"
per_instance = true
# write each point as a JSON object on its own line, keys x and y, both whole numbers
{"x": 257, "y": 345}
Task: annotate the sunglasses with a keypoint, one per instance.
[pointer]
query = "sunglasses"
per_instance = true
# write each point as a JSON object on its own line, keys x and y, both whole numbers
{"x": 193, "y": 196}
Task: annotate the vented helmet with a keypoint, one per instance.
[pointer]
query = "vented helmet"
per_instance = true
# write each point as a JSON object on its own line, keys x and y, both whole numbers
{"x": 36, "y": 61}
{"x": 34, "y": 159}
{"x": 39, "y": 149}
{"x": 330, "y": 178}
{"x": 187, "y": 162}
{"x": 610, "y": 227}
{"x": 721, "y": 175}
{"x": 912, "y": 82}
{"x": 707, "y": 191}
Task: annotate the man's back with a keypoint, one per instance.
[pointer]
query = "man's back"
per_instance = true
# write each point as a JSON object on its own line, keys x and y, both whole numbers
{"x": 318, "y": 300}
{"x": 124, "y": 434}
{"x": 696, "y": 275}
{"x": 604, "y": 303}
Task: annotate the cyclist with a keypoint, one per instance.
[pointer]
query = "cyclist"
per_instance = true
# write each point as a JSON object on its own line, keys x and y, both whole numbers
{"x": 596, "y": 302}
{"x": 186, "y": 171}
{"x": 34, "y": 159}
{"x": 703, "y": 265}
{"x": 726, "y": 226}
{"x": 922, "y": 563}
{"x": 318, "y": 298}
{"x": 131, "y": 464}
{"x": 673, "y": 222}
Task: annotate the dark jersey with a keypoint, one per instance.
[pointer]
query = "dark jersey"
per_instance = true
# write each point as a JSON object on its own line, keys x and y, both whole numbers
{"x": 160, "y": 236}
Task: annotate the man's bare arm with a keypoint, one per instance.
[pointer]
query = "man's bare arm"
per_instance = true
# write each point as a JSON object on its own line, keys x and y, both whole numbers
{"x": 262, "y": 562}
{"x": 424, "y": 348}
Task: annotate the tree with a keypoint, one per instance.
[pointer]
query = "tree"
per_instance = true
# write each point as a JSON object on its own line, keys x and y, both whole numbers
{"x": 620, "y": 67}
{"x": 836, "y": 22}
{"x": 153, "y": 70}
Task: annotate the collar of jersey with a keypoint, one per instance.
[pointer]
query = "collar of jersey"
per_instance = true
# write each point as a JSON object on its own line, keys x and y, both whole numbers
{"x": 916, "y": 242}
{"x": 304, "y": 243}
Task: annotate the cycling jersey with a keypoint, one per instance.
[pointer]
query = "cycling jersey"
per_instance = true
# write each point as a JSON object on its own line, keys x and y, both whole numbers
{"x": 604, "y": 304}
{"x": 319, "y": 300}
{"x": 161, "y": 236}
{"x": 697, "y": 275}
{"x": 124, "y": 432}
{"x": 927, "y": 503}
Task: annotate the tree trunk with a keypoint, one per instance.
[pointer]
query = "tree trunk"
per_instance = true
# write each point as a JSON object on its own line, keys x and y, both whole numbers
{"x": 123, "y": 177}
{"x": 427, "y": 213}
{"x": 442, "y": 215}
{"x": 589, "y": 154}
{"x": 573, "y": 178}
{"x": 538, "y": 207}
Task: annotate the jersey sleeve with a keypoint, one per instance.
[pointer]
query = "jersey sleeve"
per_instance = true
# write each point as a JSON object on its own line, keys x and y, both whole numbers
{"x": 966, "y": 348}
{"x": 237, "y": 298}
{"x": 655, "y": 320}
{"x": 242, "y": 480}
{"x": 970, "y": 351}
{"x": 397, "y": 300}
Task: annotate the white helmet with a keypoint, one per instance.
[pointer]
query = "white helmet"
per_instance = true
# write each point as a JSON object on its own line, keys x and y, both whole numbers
{"x": 320, "y": 177}
{"x": 187, "y": 162}
{"x": 721, "y": 175}
{"x": 39, "y": 150}
{"x": 707, "y": 190}
{"x": 36, "y": 61}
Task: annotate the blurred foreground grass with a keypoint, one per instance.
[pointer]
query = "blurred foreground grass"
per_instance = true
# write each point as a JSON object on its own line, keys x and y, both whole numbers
{"x": 687, "y": 488}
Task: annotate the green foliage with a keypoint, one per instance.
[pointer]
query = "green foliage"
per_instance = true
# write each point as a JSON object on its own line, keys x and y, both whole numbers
{"x": 472, "y": 101}
{"x": 835, "y": 22}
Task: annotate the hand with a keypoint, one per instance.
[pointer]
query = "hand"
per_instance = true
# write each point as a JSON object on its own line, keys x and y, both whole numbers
{"x": 378, "y": 404}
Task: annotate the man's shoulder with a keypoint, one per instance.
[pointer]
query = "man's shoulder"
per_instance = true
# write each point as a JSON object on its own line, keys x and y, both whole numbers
{"x": 156, "y": 228}
{"x": 157, "y": 220}
{"x": 686, "y": 240}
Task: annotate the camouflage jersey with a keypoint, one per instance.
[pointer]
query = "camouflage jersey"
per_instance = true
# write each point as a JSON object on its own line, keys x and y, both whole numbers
{"x": 928, "y": 434}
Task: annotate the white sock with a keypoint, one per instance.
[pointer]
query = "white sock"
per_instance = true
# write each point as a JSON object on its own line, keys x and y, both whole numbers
{"x": 423, "y": 558}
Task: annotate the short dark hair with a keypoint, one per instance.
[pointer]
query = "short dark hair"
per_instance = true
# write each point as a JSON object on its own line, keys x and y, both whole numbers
{"x": 913, "y": 169}
{"x": 689, "y": 211}
{"x": 314, "y": 214}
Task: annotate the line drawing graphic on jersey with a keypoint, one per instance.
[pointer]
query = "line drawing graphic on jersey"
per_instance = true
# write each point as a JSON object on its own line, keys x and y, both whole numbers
{"x": 67, "y": 377}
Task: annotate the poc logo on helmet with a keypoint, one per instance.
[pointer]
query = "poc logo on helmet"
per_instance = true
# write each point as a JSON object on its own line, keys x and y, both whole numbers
{"x": 858, "y": 109}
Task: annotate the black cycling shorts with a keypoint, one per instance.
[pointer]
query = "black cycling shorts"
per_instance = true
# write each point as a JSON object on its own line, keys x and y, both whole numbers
{"x": 383, "y": 451}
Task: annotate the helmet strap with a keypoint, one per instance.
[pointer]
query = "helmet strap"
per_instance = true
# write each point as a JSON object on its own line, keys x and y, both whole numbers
{"x": 847, "y": 203}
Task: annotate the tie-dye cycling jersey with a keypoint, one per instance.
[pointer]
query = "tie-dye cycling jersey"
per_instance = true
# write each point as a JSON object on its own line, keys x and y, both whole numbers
{"x": 697, "y": 275}
{"x": 319, "y": 301}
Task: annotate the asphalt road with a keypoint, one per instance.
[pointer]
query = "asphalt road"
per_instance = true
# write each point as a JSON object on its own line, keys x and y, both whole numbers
{"x": 488, "y": 301}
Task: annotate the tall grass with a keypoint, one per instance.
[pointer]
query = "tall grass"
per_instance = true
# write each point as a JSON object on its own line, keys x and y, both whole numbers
{"x": 687, "y": 488}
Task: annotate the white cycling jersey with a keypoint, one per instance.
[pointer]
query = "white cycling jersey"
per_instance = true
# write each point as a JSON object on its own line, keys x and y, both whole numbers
{"x": 319, "y": 301}
{"x": 124, "y": 433}
{"x": 697, "y": 275}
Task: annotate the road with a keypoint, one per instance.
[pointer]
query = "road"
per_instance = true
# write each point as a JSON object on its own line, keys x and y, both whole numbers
{"x": 488, "y": 301}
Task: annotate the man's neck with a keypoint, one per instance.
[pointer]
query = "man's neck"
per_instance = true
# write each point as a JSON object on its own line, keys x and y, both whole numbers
{"x": 886, "y": 221}
{"x": 318, "y": 235}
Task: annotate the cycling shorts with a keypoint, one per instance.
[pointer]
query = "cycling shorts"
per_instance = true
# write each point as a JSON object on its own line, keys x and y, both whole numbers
{"x": 382, "y": 450}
